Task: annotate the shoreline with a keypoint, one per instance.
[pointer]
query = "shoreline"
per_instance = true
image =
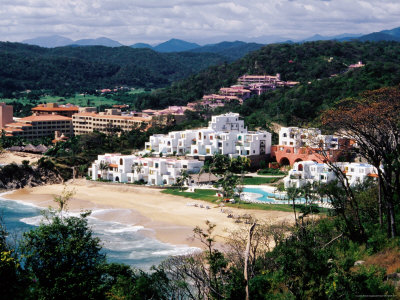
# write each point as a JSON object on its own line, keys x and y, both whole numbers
{"x": 167, "y": 218}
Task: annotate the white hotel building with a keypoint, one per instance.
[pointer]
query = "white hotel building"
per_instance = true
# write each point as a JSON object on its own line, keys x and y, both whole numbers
{"x": 131, "y": 168}
{"x": 304, "y": 172}
{"x": 225, "y": 134}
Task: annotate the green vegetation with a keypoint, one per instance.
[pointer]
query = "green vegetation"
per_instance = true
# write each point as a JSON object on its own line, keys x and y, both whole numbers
{"x": 67, "y": 70}
{"x": 352, "y": 250}
{"x": 205, "y": 195}
{"x": 270, "y": 172}
{"x": 308, "y": 63}
{"x": 259, "y": 180}
{"x": 210, "y": 196}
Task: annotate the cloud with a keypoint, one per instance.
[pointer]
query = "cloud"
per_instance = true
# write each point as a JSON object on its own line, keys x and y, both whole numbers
{"x": 130, "y": 21}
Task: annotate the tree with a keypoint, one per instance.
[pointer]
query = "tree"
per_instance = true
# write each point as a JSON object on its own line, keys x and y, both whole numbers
{"x": 11, "y": 283}
{"x": 373, "y": 121}
{"x": 103, "y": 167}
{"x": 183, "y": 179}
{"x": 220, "y": 164}
{"x": 228, "y": 184}
{"x": 63, "y": 257}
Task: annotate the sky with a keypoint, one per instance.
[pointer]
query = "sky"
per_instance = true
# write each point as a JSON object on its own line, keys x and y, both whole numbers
{"x": 201, "y": 21}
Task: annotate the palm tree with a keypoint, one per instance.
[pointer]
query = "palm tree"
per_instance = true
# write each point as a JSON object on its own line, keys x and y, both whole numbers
{"x": 103, "y": 167}
{"x": 138, "y": 168}
{"x": 184, "y": 178}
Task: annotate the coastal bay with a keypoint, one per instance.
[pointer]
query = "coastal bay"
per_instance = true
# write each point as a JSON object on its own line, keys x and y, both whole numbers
{"x": 169, "y": 217}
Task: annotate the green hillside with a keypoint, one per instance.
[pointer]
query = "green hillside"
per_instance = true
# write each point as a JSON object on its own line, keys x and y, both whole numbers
{"x": 310, "y": 63}
{"x": 76, "y": 69}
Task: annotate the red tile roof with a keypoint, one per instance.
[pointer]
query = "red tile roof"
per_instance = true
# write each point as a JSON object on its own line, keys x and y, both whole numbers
{"x": 55, "y": 109}
{"x": 45, "y": 118}
{"x": 95, "y": 115}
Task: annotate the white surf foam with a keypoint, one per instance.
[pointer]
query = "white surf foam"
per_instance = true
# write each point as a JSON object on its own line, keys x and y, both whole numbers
{"x": 177, "y": 251}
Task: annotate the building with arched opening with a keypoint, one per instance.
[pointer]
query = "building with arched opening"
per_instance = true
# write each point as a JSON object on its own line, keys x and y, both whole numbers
{"x": 307, "y": 144}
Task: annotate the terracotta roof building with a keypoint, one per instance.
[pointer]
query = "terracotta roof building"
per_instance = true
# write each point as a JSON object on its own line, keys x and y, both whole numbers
{"x": 54, "y": 108}
{"x": 106, "y": 122}
{"x": 34, "y": 127}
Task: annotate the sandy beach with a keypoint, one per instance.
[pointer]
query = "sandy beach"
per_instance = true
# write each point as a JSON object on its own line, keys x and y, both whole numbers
{"x": 8, "y": 157}
{"x": 171, "y": 219}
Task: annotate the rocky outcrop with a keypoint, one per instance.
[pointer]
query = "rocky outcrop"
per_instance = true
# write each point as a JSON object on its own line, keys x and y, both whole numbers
{"x": 15, "y": 177}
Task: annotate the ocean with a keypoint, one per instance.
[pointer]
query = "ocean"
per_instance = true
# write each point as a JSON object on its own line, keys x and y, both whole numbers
{"x": 122, "y": 243}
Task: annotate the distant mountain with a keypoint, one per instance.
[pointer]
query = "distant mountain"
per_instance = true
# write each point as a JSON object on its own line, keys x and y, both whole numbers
{"x": 378, "y": 36}
{"x": 50, "y": 41}
{"x": 231, "y": 50}
{"x": 394, "y": 31}
{"x": 175, "y": 45}
{"x": 343, "y": 36}
{"x": 141, "y": 45}
{"x": 101, "y": 41}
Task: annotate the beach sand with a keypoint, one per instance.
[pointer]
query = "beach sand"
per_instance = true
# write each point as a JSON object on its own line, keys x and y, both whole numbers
{"x": 8, "y": 157}
{"x": 171, "y": 219}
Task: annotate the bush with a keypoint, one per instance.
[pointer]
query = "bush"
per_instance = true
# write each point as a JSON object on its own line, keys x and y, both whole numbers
{"x": 269, "y": 171}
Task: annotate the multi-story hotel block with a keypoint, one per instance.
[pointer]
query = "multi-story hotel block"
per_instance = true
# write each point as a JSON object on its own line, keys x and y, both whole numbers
{"x": 304, "y": 144}
{"x": 34, "y": 127}
{"x": 226, "y": 134}
{"x": 310, "y": 171}
{"x": 250, "y": 79}
{"x": 131, "y": 168}
{"x": 106, "y": 122}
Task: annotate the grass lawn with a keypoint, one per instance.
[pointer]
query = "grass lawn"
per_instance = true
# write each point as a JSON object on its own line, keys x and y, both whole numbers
{"x": 271, "y": 172}
{"x": 88, "y": 100}
{"x": 259, "y": 180}
{"x": 209, "y": 196}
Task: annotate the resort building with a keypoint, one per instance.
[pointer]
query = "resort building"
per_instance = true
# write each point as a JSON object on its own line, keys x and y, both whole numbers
{"x": 225, "y": 134}
{"x": 236, "y": 90}
{"x": 54, "y": 108}
{"x": 6, "y": 114}
{"x": 310, "y": 171}
{"x": 249, "y": 79}
{"x": 107, "y": 122}
{"x": 34, "y": 127}
{"x": 304, "y": 144}
{"x": 131, "y": 168}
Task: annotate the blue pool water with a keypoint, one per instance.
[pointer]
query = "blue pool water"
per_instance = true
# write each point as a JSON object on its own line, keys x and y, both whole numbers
{"x": 268, "y": 197}
{"x": 121, "y": 242}
{"x": 265, "y": 196}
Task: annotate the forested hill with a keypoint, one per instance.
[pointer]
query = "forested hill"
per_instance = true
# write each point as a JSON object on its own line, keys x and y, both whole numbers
{"x": 311, "y": 63}
{"x": 84, "y": 68}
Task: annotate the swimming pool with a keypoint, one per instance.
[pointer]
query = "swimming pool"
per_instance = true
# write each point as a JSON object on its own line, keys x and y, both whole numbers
{"x": 262, "y": 196}
{"x": 259, "y": 195}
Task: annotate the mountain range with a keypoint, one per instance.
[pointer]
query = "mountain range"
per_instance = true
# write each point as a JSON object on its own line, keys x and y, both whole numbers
{"x": 177, "y": 45}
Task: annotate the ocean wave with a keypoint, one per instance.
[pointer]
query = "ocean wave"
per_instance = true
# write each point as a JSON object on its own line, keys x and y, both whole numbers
{"x": 34, "y": 221}
{"x": 126, "y": 229}
{"x": 177, "y": 251}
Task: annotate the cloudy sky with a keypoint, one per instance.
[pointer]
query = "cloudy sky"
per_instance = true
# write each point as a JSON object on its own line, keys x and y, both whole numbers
{"x": 202, "y": 21}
